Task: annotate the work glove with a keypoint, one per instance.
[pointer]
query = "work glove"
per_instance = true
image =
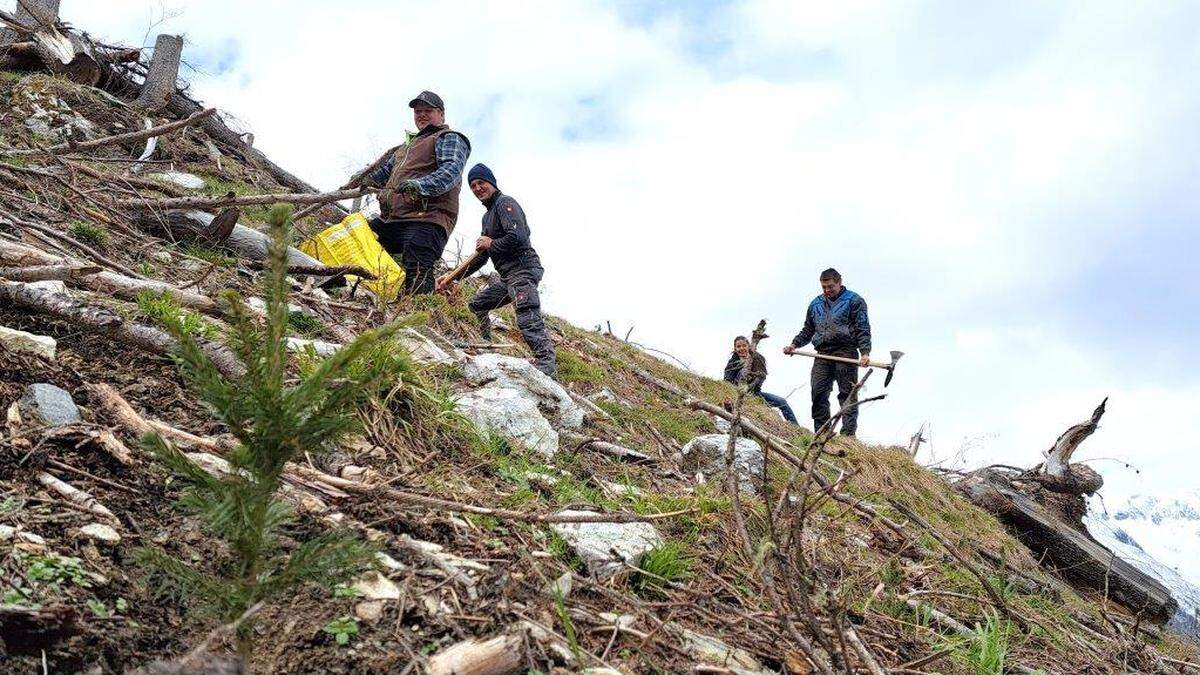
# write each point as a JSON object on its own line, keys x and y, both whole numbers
{"x": 410, "y": 194}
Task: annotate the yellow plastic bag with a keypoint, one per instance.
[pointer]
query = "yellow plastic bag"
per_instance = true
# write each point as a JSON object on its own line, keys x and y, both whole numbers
{"x": 351, "y": 242}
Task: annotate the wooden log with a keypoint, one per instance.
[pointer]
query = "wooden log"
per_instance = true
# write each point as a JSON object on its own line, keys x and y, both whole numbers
{"x": 76, "y": 496}
{"x": 1078, "y": 557}
{"x": 30, "y": 15}
{"x": 501, "y": 655}
{"x": 119, "y": 285}
{"x": 103, "y": 321}
{"x": 48, "y": 272}
{"x": 163, "y": 75}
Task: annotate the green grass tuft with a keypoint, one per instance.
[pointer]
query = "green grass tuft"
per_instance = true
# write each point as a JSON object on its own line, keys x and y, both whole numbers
{"x": 89, "y": 233}
{"x": 571, "y": 368}
{"x": 661, "y": 566}
{"x": 163, "y": 309}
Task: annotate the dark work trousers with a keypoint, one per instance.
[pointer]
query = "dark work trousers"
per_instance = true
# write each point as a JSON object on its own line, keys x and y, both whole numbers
{"x": 416, "y": 246}
{"x": 824, "y": 373}
{"x": 780, "y": 403}
{"x": 520, "y": 288}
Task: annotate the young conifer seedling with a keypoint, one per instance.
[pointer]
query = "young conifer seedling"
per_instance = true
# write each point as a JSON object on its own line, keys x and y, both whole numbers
{"x": 275, "y": 417}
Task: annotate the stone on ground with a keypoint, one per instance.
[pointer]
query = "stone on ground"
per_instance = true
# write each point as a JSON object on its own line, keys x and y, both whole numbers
{"x": 497, "y": 370}
{"x": 101, "y": 533}
{"x": 189, "y": 181}
{"x": 603, "y": 546}
{"x": 50, "y": 405}
{"x": 15, "y": 340}
{"x": 711, "y": 650}
{"x": 321, "y": 347}
{"x": 422, "y": 349}
{"x": 55, "y": 286}
{"x": 707, "y": 455}
{"x": 507, "y": 413}
{"x": 375, "y": 586}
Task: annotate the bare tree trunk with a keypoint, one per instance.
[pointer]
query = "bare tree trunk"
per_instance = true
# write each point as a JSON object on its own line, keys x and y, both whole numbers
{"x": 31, "y": 13}
{"x": 163, "y": 76}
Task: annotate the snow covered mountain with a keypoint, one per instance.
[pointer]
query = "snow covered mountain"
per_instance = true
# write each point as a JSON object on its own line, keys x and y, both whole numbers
{"x": 1161, "y": 536}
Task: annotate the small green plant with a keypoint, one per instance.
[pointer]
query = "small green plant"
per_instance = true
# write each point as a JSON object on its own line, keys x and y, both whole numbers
{"x": 568, "y": 625}
{"x": 209, "y": 255}
{"x": 275, "y": 417}
{"x": 162, "y": 308}
{"x": 57, "y": 571}
{"x": 985, "y": 650}
{"x": 346, "y": 591}
{"x": 17, "y": 596}
{"x": 10, "y": 505}
{"x": 661, "y": 566}
{"x": 89, "y": 233}
{"x": 342, "y": 629}
{"x": 304, "y": 324}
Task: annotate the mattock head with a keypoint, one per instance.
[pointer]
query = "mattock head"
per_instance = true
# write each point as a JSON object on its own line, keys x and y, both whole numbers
{"x": 892, "y": 368}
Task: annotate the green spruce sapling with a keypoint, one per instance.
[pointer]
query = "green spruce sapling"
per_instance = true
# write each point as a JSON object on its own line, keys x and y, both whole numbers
{"x": 275, "y": 417}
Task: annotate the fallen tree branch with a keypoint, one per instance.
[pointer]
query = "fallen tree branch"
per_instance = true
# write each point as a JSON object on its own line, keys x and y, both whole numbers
{"x": 247, "y": 200}
{"x": 104, "y": 321}
{"x": 133, "y": 136}
{"x": 76, "y": 496}
{"x": 66, "y": 272}
{"x": 322, "y": 270}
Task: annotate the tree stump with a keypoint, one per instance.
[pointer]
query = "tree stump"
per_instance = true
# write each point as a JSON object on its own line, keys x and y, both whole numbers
{"x": 163, "y": 75}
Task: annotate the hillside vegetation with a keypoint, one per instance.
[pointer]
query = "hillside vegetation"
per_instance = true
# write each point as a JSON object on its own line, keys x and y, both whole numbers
{"x": 835, "y": 556}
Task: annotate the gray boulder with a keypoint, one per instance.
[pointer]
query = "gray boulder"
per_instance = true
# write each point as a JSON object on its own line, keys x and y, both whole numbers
{"x": 508, "y": 413}
{"x": 49, "y": 405}
{"x": 507, "y": 371}
{"x": 706, "y": 454}
{"x": 15, "y": 340}
{"x": 603, "y": 546}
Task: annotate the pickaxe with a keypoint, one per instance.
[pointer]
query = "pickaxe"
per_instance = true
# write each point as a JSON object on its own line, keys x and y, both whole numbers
{"x": 890, "y": 367}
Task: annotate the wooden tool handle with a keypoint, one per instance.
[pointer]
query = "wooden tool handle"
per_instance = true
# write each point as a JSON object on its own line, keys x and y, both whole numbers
{"x": 457, "y": 272}
{"x": 842, "y": 359}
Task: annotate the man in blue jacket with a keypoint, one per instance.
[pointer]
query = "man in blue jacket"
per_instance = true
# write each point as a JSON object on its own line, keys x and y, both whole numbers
{"x": 505, "y": 241}
{"x": 837, "y": 325}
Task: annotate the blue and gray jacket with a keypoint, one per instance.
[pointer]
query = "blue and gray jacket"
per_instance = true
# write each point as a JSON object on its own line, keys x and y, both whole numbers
{"x": 511, "y": 249}
{"x": 837, "y": 326}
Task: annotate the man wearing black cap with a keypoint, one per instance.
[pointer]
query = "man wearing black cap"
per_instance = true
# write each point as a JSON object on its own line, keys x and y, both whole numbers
{"x": 419, "y": 201}
{"x": 505, "y": 241}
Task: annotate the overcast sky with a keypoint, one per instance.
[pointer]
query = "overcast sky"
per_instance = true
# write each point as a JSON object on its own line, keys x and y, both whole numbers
{"x": 1010, "y": 185}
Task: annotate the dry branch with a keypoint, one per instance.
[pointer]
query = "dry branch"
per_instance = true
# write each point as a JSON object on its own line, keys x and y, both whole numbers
{"x": 69, "y": 272}
{"x": 76, "y": 496}
{"x": 103, "y": 321}
{"x": 130, "y": 137}
{"x": 249, "y": 200}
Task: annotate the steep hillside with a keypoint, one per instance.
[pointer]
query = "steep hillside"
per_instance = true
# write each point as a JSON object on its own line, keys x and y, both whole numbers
{"x": 815, "y": 555}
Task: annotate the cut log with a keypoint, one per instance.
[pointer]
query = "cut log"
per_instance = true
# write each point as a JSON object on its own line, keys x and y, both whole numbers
{"x": 26, "y": 631}
{"x": 31, "y": 15}
{"x": 48, "y": 272}
{"x": 103, "y": 321}
{"x": 1079, "y": 557}
{"x": 190, "y": 226}
{"x": 163, "y": 75}
{"x": 501, "y": 655}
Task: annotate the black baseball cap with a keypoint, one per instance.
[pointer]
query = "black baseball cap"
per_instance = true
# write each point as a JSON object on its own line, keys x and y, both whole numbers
{"x": 428, "y": 98}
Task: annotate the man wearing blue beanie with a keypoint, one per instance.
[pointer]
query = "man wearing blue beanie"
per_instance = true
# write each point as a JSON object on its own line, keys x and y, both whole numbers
{"x": 505, "y": 241}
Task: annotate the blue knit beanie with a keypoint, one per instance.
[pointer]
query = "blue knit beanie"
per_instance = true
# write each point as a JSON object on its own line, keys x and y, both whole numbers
{"x": 480, "y": 171}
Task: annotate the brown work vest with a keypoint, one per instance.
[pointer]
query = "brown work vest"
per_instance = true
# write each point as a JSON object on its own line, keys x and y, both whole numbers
{"x": 414, "y": 160}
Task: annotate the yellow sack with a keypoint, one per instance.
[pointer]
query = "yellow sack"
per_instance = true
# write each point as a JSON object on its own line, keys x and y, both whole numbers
{"x": 351, "y": 242}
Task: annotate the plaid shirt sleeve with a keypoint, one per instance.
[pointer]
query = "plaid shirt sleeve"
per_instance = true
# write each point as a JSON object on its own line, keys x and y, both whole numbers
{"x": 380, "y": 175}
{"x": 451, "y": 152}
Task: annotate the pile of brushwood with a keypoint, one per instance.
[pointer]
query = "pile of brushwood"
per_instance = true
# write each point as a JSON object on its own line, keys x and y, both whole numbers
{"x": 257, "y": 469}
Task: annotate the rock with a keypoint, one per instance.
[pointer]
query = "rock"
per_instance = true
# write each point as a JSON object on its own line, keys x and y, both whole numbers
{"x": 561, "y": 587}
{"x": 101, "y": 533}
{"x": 15, "y": 340}
{"x": 183, "y": 180}
{"x": 596, "y": 543}
{"x": 707, "y": 454}
{"x": 321, "y": 347}
{"x": 422, "y": 349}
{"x": 49, "y": 405}
{"x": 162, "y": 257}
{"x": 375, "y": 586}
{"x": 55, "y": 286}
{"x": 8, "y": 532}
{"x": 711, "y": 650}
{"x": 369, "y": 611}
{"x": 723, "y": 426}
{"x": 508, "y": 413}
{"x": 519, "y": 374}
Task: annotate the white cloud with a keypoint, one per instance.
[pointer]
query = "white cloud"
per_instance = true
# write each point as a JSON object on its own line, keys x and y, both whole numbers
{"x": 945, "y": 162}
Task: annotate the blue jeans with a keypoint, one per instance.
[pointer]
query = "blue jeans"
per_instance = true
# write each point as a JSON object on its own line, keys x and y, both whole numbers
{"x": 781, "y": 403}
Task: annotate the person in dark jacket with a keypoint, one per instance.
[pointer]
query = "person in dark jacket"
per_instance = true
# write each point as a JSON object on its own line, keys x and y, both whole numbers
{"x": 505, "y": 241}
{"x": 755, "y": 377}
{"x": 837, "y": 325}
{"x": 418, "y": 205}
